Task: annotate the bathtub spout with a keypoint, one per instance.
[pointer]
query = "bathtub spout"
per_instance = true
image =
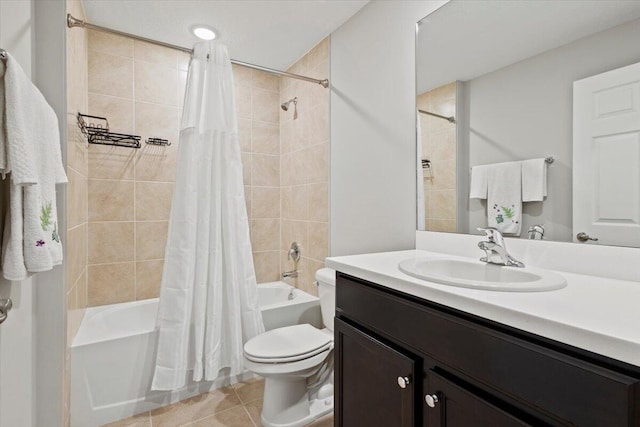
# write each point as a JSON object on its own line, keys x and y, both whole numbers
{"x": 290, "y": 274}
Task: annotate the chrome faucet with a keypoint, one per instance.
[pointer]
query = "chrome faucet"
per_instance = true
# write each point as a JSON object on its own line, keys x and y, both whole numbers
{"x": 294, "y": 254}
{"x": 496, "y": 250}
{"x": 536, "y": 232}
{"x": 290, "y": 274}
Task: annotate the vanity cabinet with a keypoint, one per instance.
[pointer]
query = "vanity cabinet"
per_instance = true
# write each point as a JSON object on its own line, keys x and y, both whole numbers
{"x": 372, "y": 393}
{"x": 404, "y": 361}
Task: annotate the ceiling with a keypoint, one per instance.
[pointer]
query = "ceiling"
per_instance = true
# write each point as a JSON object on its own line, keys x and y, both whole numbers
{"x": 269, "y": 33}
{"x": 466, "y": 39}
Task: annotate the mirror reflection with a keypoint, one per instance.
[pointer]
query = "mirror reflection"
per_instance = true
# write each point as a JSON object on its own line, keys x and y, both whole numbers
{"x": 529, "y": 120}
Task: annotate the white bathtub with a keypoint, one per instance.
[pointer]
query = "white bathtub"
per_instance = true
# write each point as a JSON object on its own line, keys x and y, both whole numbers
{"x": 113, "y": 355}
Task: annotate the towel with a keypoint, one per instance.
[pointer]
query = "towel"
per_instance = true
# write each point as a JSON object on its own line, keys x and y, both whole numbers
{"x": 478, "y": 187}
{"x": 504, "y": 197}
{"x": 534, "y": 180}
{"x": 13, "y": 266}
{"x": 22, "y": 124}
{"x": 32, "y": 143}
{"x": 3, "y": 132}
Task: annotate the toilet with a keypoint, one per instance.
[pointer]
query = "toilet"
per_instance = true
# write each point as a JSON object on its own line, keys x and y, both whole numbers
{"x": 297, "y": 364}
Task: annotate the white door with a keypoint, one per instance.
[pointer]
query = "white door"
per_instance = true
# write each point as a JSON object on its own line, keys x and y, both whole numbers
{"x": 606, "y": 157}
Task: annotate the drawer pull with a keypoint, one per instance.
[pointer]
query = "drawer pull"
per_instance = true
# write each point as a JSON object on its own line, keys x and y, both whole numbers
{"x": 431, "y": 400}
{"x": 403, "y": 382}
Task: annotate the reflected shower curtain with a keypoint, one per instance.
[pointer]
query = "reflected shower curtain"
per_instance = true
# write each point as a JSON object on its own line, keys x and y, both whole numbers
{"x": 209, "y": 297}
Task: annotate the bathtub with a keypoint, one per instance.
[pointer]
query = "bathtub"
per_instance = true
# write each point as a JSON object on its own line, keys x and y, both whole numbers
{"x": 113, "y": 355}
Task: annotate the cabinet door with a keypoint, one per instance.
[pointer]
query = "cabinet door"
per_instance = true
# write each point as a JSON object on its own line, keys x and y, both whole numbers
{"x": 449, "y": 404}
{"x": 375, "y": 383}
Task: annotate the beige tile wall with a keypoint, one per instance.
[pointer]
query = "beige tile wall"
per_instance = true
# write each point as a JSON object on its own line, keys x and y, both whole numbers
{"x": 305, "y": 167}
{"x": 438, "y": 141}
{"x": 258, "y": 100}
{"x": 139, "y": 88}
{"x": 77, "y": 190}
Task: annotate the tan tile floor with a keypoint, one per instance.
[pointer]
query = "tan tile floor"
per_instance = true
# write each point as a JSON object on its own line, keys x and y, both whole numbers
{"x": 238, "y": 405}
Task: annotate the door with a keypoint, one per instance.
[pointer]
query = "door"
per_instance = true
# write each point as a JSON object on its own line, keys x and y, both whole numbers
{"x": 450, "y": 404}
{"x": 606, "y": 157}
{"x": 375, "y": 382}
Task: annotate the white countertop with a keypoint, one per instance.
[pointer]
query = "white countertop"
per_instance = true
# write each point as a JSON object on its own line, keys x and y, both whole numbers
{"x": 597, "y": 314}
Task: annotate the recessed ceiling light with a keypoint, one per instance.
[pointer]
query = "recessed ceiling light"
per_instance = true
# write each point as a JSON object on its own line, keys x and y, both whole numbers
{"x": 203, "y": 32}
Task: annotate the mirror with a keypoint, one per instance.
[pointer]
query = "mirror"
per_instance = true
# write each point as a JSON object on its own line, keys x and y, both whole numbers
{"x": 502, "y": 86}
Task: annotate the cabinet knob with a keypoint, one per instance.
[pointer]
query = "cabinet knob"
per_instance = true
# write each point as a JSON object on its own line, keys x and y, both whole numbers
{"x": 403, "y": 382}
{"x": 431, "y": 400}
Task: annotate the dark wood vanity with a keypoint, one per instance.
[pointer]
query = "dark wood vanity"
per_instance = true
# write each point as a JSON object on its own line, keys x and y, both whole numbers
{"x": 404, "y": 361}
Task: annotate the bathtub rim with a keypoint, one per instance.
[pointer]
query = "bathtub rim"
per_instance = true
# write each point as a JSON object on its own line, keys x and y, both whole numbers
{"x": 80, "y": 340}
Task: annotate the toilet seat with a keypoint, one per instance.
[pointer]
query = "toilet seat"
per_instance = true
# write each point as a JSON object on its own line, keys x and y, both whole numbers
{"x": 288, "y": 344}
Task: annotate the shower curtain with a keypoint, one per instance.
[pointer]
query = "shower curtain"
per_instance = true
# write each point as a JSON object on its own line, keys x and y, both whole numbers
{"x": 208, "y": 298}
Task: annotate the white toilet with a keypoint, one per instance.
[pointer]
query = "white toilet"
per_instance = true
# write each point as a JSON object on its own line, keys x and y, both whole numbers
{"x": 297, "y": 364}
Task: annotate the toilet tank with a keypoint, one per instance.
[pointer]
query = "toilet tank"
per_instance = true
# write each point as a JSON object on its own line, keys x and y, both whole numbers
{"x": 326, "y": 278}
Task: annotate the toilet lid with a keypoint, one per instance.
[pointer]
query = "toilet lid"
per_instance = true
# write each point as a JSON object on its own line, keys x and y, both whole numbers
{"x": 287, "y": 344}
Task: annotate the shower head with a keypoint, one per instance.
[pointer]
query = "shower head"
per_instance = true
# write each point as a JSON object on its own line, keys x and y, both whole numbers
{"x": 285, "y": 105}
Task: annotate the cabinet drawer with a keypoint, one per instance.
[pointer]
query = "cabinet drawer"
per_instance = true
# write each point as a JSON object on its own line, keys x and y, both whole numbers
{"x": 565, "y": 388}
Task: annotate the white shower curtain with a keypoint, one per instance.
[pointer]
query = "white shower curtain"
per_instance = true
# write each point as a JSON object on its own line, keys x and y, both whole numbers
{"x": 208, "y": 299}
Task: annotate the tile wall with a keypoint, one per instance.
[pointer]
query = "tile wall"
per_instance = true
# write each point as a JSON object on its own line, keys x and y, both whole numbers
{"x": 139, "y": 88}
{"x": 77, "y": 190}
{"x": 257, "y": 105}
{"x": 305, "y": 167}
{"x": 438, "y": 139}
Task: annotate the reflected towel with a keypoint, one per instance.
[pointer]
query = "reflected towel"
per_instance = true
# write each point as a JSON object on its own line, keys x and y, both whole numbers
{"x": 534, "y": 180}
{"x": 478, "y": 187}
{"x": 504, "y": 197}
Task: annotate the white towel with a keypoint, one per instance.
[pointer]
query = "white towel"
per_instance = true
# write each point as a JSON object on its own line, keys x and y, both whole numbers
{"x": 13, "y": 266}
{"x": 23, "y": 103}
{"x": 534, "y": 180}
{"x": 35, "y": 162}
{"x": 3, "y": 132}
{"x": 504, "y": 198}
{"x": 478, "y": 186}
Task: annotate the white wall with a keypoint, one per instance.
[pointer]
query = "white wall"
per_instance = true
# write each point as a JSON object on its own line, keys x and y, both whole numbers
{"x": 32, "y": 339}
{"x": 49, "y": 74}
{"x": 17, "y": 334}
{"x": 525, "y": 111}
{"x": 373, "y": 137}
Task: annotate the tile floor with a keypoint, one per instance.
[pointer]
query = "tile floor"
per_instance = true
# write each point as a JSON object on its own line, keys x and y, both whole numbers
{"x": 238, "y": 405}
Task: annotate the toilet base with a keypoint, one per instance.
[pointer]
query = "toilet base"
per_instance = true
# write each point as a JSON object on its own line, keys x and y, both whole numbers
{"x": 297, "y": 408}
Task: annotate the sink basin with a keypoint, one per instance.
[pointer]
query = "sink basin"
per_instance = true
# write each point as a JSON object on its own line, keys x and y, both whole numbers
{"x": 481, "y": 275}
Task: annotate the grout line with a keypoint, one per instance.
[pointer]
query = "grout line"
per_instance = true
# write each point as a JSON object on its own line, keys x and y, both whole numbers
{"x": 130, "y": 180}
{"x": 161, "y": 104}
{"x": 110, "y": 263}
{"x": 249, "y": 415}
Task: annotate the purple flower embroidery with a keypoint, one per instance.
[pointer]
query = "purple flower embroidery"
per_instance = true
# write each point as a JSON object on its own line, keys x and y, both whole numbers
{"x": 40, "y": 243}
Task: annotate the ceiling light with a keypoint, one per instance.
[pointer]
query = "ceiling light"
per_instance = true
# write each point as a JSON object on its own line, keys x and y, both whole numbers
{"x": 203, "y": 32}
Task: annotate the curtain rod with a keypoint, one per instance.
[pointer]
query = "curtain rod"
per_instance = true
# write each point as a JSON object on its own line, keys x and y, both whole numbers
{"x": 74, "y": 22}
{"x": 449, "y": 119}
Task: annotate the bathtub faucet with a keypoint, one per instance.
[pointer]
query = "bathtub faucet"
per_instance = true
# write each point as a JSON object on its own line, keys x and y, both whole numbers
{"x": 290, "y": 274}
